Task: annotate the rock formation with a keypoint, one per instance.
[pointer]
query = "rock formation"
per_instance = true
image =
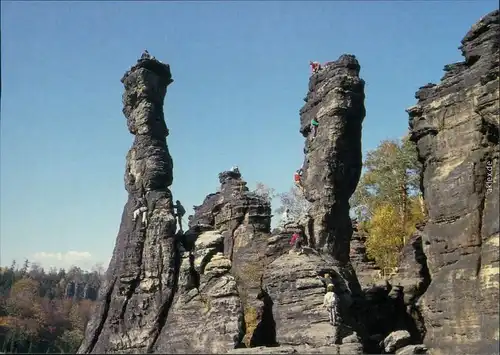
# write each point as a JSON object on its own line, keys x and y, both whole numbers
{"x": 228, "y": 285}
{"x": 142, "y": 275}
{"x": 331, "y": 171}
{"x": 219, "y": 304}
{"x": 367, "y": 271}
{"x": 332, "y": 163}
{"x": 456, "y": 128}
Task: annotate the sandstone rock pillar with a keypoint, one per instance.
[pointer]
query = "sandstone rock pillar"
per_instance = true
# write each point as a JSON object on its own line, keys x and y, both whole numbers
{"x": 140, "y": 280}
{"x": 332, "y": 165}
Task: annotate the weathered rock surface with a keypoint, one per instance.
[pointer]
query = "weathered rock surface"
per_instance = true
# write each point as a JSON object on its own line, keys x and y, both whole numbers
{"x": 412, "y": 349}
{"x": 331, "y": 171}
{"x": 367, "y": 271}
{"x": 396, "y": 340}
{"x": 206, "y": 315}
{"x": 332, "y": 164}
{"x": 412, "y": 272}
{"x": 140, "y": 281}
{"x": 455, "y": 125}
{"x": 244, "y": 220}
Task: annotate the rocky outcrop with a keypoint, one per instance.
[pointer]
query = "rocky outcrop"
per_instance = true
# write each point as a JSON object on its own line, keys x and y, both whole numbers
{"x": 136, "y": 296}
{"x": 243, "y": 220}
{"x": 455, "y": 126}
{"x": 412, "y": 271}
{"x": 206, "y": 315}
{"x": 331, "y": 171}
{"x": 81, "y": 290}
{"x": 332, "y": 163}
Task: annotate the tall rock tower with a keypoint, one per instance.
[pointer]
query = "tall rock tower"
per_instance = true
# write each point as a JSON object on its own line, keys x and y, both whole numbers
{"x": 455, "y": 126}
{"x": 332, "y": 164}
{"x": 141, "y": 277}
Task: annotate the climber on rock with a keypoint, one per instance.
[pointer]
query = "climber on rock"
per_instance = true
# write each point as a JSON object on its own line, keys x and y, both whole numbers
{"x": 144, "y": 211}
{"x": 179, "y": 213}
{"x": 330, "y": 302}
{"x": 314, "y": 127}
{"x": 235, "y": 169}
{"x": 145, "y": 55}
{"x": 296, "y": 243}
{"x": 315, "y": 66}
{"x": 297, "y": 178}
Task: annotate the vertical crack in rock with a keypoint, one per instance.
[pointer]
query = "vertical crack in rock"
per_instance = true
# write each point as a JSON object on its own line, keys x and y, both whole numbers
{"x": 143, "y": 271}
{"x": 332, "y": 165}
{"x": 460, "y": 185}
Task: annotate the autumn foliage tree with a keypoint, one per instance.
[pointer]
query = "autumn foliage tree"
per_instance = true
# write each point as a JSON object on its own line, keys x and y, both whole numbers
{"x": 37, "y": 314}
{"x": 388, "y": 202}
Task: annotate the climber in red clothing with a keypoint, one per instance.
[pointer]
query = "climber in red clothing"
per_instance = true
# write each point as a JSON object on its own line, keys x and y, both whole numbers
{"x": 297, "y": 177}
{"x": 296, "y": 243}
{"x": 315, "y": 66}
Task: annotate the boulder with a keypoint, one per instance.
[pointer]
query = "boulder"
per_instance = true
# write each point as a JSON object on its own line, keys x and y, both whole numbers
{"x": 396, "y": 340}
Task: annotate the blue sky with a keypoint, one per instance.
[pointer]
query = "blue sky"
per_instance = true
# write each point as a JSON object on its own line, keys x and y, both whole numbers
{"x": 241, "y": 71}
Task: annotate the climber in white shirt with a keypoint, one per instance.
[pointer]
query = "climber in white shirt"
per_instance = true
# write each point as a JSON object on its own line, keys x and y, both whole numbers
{"x": 330, "y": 302}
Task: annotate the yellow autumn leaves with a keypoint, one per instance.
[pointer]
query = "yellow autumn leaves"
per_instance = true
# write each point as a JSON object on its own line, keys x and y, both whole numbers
{"x": 388, "y": 201}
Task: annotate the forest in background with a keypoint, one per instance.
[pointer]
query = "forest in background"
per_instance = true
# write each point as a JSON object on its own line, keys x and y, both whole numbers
{"x": 45, "y": 312}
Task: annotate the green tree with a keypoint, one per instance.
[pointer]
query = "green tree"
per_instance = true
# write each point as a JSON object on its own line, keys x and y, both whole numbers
{"x": 392, "y": 176}
{"x": 388, "y": 202}
{"x": 386, "y": 236}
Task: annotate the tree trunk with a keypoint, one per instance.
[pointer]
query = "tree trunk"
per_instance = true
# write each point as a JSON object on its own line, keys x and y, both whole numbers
{"x": 422, "y": 204}
{"x": 404, "y": 207}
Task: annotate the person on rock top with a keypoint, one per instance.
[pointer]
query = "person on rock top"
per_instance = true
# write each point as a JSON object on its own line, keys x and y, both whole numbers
{"x": 179, "y": 213}
{"x": 145, "y": 55}
{"x": 314, "y": 127}
{"x": 330, "y": 302}
{"x": 315, "y": 66}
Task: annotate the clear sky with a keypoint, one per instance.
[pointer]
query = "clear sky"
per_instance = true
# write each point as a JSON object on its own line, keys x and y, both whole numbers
{"x": 241, "y": 72}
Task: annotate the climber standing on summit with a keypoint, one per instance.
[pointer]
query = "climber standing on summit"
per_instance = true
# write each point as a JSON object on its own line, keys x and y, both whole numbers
{"x": 315, "y": 66}
{"x": 179, "y": 213}
{"x": 145, "y": 55}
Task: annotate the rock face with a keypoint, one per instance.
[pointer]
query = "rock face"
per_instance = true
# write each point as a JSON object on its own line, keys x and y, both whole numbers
{"x": 367, "y": 271}
{"x": 455, "y": 125}
{"x": 413, "y": 273}
{"x": 332, "y": 163}
{"x": 331, "y": 171}
{"x": 243, "y": 220}
{"x": 140, "y": 281}
{"x": 206, "y": 315}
